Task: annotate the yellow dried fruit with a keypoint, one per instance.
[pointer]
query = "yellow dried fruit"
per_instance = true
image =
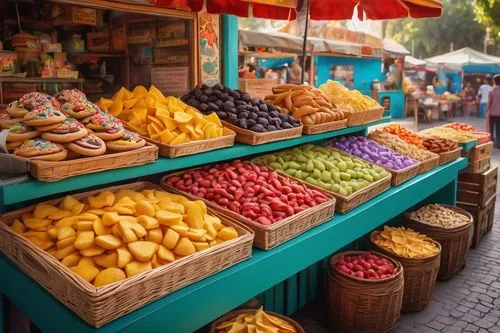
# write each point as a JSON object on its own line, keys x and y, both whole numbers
{"x": 165, "y": 217}
{"x": 124, "y": 257}
{"x": 107, "y": 259}
{"x": 227, "y": 233}
{"x": 184, "y": 247}
{"x": 148, "y": 222}
{"x": 86, "y": 269}
{"x": 144, "y": 207}
{"x": 108, "y": 276}
{"x": 92, "y": 251}
{"x": 405, "y": 242}
{"x": 18, "y": 227}
{"x": 137, "y": 267}
{"x": 71, "y": 260}
{"x": 155, "y": 236}
{"x": 171, "y": 238}
{"x": 142, "y": 250}
{"x": 108, "y": 242}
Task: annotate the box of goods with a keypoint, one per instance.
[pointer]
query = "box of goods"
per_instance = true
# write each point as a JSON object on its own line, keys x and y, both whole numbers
{"x": 428, "y": 160}
{"x": 477, "y": 189}
{"x": 99, "y": 41}
{"x": 75, "y": 44}
{"x": 141, "y": 32}
{"x": 176, "y": 128}
{"x": 52, "y": 47}
{"x": 371, "y": 284}
{"x": 448, "y": 225}
{"x": 66, "y": 136}
{"x": 64, "y": 73}
{"x": 483, "y": 218}
{"x": 331, "y": 170}
{"x": 447, "y": 149}
{"x": 119, "y": 40}
{"x": 419, "y": 256}
{"x": 402, "y": 168}
{"x": 480, "y": 152}
{"x": 257, "y": 87}
{"x": 245, "y": 320}
{"x": 7, "y": 63}
{"x": 254, "y": 121}
{"x": 166, "y": 56}
{"x": 274, "y": 206}
{"x": 311, "y": 106}
{"x": 463, "y": 138}
{"x": 128, "y": 243}
{"x": 358, "y": 108}
{"x": 64, "y": 15}
{"x": 479, "y": 166}
{"x": 172, "y": 33}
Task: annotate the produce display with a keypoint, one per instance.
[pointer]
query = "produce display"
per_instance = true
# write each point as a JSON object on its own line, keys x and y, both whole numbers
{"x": 460, "y": 127}
{"x": 253, "y": 191}
{"x": 368, "y": 266}
{"x": 258, "y": 321}
{"x": 110, "y": 236}
{"x": 404, "y": 133}
{"x": 438, "y": 215}
{"x": 405, "y": 242}
{"x": 325, "y": 167}
{"x": 45, "y": 128}
{"x": 451, "y": 134}
{"x": 349, "y": 100}
{"x": 164, "y": 119}
{"x": 400, "y": 146}
{"x": 239, "y": 108}
{"x": 372, "y": 152}
{"x": 439, "y": 145}
{"x": 305, "y": 103}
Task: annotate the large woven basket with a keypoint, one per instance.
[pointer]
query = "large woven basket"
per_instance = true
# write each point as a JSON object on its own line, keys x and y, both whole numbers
{"x": 46, "y": 171}
{"x": 256, "y": 138}
{"x": 428, "y": 164}
{"x": 420, "y": 275}
{"x": 236, "y": 313}
{"x": 449, "y": 156}
{"x": 363, "y": 117}
{"x": 359, "y": 305}
{"x": 454, "y": 242}
{"x": 325, "y": 127}
{"x": 98, "y": 306}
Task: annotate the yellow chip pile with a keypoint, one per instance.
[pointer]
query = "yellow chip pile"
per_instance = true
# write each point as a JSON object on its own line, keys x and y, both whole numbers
{"x": 255, "y": 322}
{"x": 346, "y": 99}
{"x": 111, "y": 236}
{"x": 165, "y": 119}
{"x": 405, "y": 242}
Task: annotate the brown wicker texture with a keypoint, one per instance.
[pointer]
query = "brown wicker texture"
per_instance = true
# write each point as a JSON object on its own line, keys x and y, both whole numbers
{"x": 325, "y": 127}
{"x": 255, "y": 138}
{"x": 98, "y": 306}
{"x": 479, "y": 152}
{"x": 479, "y": 166}
{"x": 53, "y": 171}
{"x": 483, "y": 219}
{"x": 475, "y": 197}
{"x": 481, "y": 179}
{"x": 359, "y": 305}
{"x": 194, "y": 147}
{"x": 363, "y": 117}
{"x": 428, "y": 164}
{"x": 236, "y": 313}
{"x": 269, "y": 236}
{"x": 420, "y": 276}
{"x": 449, "y": 156}
{"x": 454, "y": 242}
{"x": 484, "y": 137}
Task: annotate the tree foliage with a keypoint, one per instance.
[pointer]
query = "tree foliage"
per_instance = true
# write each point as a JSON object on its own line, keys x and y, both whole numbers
{"x": 488, "y": 14}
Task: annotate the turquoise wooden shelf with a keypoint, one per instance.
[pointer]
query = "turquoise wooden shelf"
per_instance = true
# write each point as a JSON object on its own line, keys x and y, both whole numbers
{"x": 196, "y": 305}
{"x": 33, "y": 189}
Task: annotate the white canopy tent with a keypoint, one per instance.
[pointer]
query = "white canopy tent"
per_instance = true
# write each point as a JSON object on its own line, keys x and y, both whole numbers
{"x": 465, "y": 56}
{"x": 393, "y": 48}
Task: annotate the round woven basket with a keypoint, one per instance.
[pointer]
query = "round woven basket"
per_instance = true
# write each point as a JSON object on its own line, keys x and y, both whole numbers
{"x": 420, "y": 275}
{"x": 236, "y": 313}
{"x": 359, "y": 305}
{"x": 454, "y": 242}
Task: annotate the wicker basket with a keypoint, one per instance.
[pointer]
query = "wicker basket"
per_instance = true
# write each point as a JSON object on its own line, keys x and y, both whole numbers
{"x": 235, "y": 313}
{"x": 269, "y": 236}
{"x": 326, "y": 127}
{"x": 53, "y": 171}
{"x": 98, "y": 306}
{"x": 363, "y": 117}
{"x": 359, "y": 305}
{"x": 428, "y": 164}
{"x": 480, "y": 152}
{"x": 454, "y": 242}
{"x": 194, "y": 147}
{"x": 479, "y": 166}
{"x": 254, "y": 138}
{"x": 420, "y": 276}
{"x": 484, "y": 137}
{"x": 449, "y": 156}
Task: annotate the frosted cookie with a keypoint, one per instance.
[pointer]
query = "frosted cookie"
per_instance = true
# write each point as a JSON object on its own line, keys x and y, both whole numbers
{"x": 16, "y": 110}
{"x": 74, "y": 104}
{"x": 6, "y": 120}
{"x": 21, "y": 132}
{"x": 89, "y": 145}
{"x": 104, "y": 126}
{"x": 43, "y": 115}
{"x": 41, "y": 149}
{"x": 129, "y": 141}
{"x": 67, "y": 131}
{"x": 36, "y": 99}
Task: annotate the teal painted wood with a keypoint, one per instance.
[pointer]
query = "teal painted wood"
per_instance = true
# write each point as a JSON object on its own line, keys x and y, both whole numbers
{"x": 302, "y": 292}
{"x": 279, "y": 298}
{"x": 312, "y": 282}
{"x": 468, "y": 146}
{"x": 34, "y": 189}
{"x": 230, "y": 51}
{"x": 269, "y": 299}
{"x": 291, "y": 295}
{"x": 2, "y": 314}
{"x": 239, "y": 283}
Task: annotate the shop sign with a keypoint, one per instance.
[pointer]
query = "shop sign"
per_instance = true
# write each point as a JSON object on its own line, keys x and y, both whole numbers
{"x": 209, "y": 39}
{"x": 170, "y": 80}
{"x": 277, "y": 3}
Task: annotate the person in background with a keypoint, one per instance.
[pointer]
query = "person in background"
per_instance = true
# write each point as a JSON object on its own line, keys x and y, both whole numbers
{"x": 438, "y": 87}
{"x": 482, "y": 94}
{"x": 450, "y": 85}
{"x": 493, "y": 112}
{"x": 468, "y": 99}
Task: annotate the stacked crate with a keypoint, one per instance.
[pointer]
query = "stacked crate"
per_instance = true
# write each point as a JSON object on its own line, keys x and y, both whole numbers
{"x": 479, "y": 157}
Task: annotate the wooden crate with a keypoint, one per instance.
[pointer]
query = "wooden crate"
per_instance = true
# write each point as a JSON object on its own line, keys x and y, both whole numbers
{"x": 479, "y": 152}
{"x": 257, "y": 87}
{"x": 474, "y": 197}
{"x": 480, "y": 179}
{"x": 483, "y": 218}
{"x": 479, "y": 166}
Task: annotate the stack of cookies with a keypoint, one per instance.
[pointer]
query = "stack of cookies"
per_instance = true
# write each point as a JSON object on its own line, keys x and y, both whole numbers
{"x": 64, "y": 126}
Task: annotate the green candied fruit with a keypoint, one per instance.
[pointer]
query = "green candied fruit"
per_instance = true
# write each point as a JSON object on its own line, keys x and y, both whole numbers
{"x": 343, "y": 192}
{"x": 293, "y": 165}
{"x": 319, "y": 165}
{"x": 342, "y": 166}
{"x": 302, "y": 158}
{"x": 298, "y": 174}
{"x": 311, "y": 180}
{"x": 329, "y": 165}
{"x": 345, "y": 176}
{"x": 271, "y": 158}
{"x": 368, "y": 178}
{"x": 276, "y": 165}
{"x": 316, "y": 174}
{"x": 349, "y": 164}
{"x": 336, "y": 176}
{"x": 326, "y": 176}
{"x": 335, "y": 188}
{"x": 291, "y": 171}
{"x": 280, "y": 160}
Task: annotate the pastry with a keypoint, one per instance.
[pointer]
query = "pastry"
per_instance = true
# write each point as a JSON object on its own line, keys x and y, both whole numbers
{"x": 35, "y": 99}
{"x": 41, "y": 149}
{"x": 21, "y": 132}
{"x": 74, "y": 104}
{"x": 104, "y": 126}
{"x": 89, "y": 145}
{"x": 16, "y": 110}
{"x": 129, "y": 141}
{"x": 11, "y": 145}
{"x": 67, "y": 131}
{"x": 6, "y": 121}
{"x": 43, "y": 115}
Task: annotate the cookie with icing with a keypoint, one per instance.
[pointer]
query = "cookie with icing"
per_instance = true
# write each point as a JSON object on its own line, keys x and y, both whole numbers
{"x": 35, "y": 99}
{"x": 41, "y": 149}
{"x": 67, "y": 131}
{"x": 89, "y": 145}
{"x": 104, "y": 126}
{"x": 16, "y": 110}
{"x": 12, "y": 145}
{"x": 43, "y": 115}
{"x": 129, "y": 141}
{"x": 7, "y": 121}
{"x": 74, "y": 104}
{"x": 21, "y": 132}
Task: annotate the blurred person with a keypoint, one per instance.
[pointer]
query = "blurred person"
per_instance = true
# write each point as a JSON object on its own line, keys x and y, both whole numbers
{"x": 482, "y": 94}
{"x": 493, "y": 112}
{"x": 468, "y": 99}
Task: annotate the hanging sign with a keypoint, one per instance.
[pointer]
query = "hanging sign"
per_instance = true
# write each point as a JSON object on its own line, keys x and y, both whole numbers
{"x": 277, "y": 3}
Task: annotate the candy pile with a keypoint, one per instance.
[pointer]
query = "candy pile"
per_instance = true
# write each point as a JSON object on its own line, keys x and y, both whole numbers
{"x": 366, "y": 266}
